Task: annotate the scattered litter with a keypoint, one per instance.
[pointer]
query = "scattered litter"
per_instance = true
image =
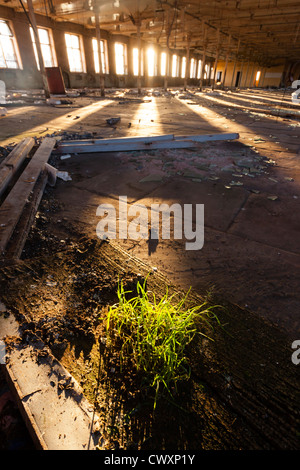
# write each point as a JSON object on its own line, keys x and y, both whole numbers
{"x": 51, "y": 283}
{"x": 113, "y": 121}
{"x": 53, "y": 101}
{"x": 3, "y": 111}
{"x": 152, "y": 178}
{"x": 246, "y": 163}
{"x": 64, "y": 157}
{"x": 64, "y": 175}
{"x": 236, "y": 183}
{"x": 255, "y": 191}
{"x": 191, "y": 174}
{"x": 288, "y": 178}
{"x": 274, "y": 180}
{"x": 272, "y": 198}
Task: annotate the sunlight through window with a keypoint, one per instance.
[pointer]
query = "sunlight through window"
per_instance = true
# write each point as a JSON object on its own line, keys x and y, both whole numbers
{"x": 193, "y": 68}
{"x": 183, "y": 67}
{"x": 199, "y": 69}
{"x": 46, "y": 47}
{"x": 174, "y": 65}
{"x": 163, "y": 63}
{"x": 135, "y": 55}
{"x": 151, "y": 62}
{"x": 8, "y": 54}
{"x": 121, "y": 58}
{"x": 74, "y": 52}
{"x": 103, "y": 56}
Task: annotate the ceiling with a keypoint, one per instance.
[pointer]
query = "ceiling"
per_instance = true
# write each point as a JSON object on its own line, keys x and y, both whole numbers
{"x": 265, "y": 30}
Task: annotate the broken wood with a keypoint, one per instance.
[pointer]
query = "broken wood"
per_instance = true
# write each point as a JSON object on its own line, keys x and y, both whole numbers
{"x": 140, "y": 143}
{"x": 13, "y": 205}
{"x": 13, "y": 161}
{"x": 17, "y": 241}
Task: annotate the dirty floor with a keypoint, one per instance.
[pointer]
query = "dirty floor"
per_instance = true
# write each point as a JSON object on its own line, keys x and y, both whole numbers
{"x": 250, "y": 192}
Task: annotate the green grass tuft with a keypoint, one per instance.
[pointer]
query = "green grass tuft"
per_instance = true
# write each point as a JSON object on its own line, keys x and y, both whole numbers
{"x": 154, "y": 334}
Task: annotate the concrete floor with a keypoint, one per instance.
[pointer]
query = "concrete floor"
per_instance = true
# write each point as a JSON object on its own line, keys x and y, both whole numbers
{"x": 251, "y": 253}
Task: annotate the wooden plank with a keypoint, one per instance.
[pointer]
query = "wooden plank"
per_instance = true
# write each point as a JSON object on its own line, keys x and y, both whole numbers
{"x": 119, "y": 146}
{"x": 17, "y": 241}
{"x": 13, "y": 161}
{"x": 208, "y": 137}
{"x": 124, "y": 140}
{"x": 13, "y": 205}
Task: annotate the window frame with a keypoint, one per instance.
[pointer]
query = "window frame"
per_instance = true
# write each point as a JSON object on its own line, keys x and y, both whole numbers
{"x": 81, "y": 50}
{"x": 104, "y": 56}
{"x": 135, "y": 72}
{"x": 51, "y": 45}
{"x": 16, "y": 51}
{"x": 125, "y": 58}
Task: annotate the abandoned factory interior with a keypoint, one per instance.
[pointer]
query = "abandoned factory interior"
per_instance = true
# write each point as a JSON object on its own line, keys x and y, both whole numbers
{"x": 149, "y": 228}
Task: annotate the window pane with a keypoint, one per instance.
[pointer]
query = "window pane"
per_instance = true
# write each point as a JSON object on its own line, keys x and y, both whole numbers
{"x": 47, "y": 56}
{"x": 163, "y": 65}
{"x": 75, "y": 41}
{"x": 68, "y": 40}
{"x": 2, "y": 61}
{"x": 46, "y": 49}
{"x": 8, "y": 58}
{"x": 74, "y": 52}
{"x": 120, "y": 58}
{"x": 4, "y": 29}
{"x": 151, "y": 62}
{"x": 43, "y": 36}
{"x": 183, "y": 67}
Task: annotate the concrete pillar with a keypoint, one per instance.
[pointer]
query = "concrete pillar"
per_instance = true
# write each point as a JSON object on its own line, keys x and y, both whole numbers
{"x": 38, "y": 47}
{"x": 98, "y": 37}
{"x": 216, "y": 59}
{"x": 226, "y": 62}
{"x": 235, "y": 62}
{"x": 203, "y": 57}
{"x": 187, "y": 62}
{"x": 139, "y": 79}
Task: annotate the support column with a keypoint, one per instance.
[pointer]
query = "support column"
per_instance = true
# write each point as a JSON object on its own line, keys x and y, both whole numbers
{"x": 262, "y": 77}
{"x": 38, "y": 47}
{"x": 241, "y": 76}
{"x": 203, "y": 57}
{"x": 247, "y": 70}
{"x": 187, "y": 62}
{"x": 216, "y": 59}
{"x": 226, "y": 63}
{"x": 235, "y": 61}
{"x": 98, "y": 37}
{"x": 167, "y": 68}
{"x": 251, "y": 77}
{"x": 139, "y": 79}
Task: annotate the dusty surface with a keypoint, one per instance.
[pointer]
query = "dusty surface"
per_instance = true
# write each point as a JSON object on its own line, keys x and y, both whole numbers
{"x": 244, "y": 387}
{"x": 241, "y": 394}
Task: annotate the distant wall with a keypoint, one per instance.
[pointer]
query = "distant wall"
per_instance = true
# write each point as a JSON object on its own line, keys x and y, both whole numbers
{"x": 28, "y": 76}
{"x": 244, "y": 74}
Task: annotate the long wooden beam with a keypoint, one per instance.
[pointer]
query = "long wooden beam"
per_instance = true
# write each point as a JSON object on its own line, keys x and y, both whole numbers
{"x": 147, "y": 143}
